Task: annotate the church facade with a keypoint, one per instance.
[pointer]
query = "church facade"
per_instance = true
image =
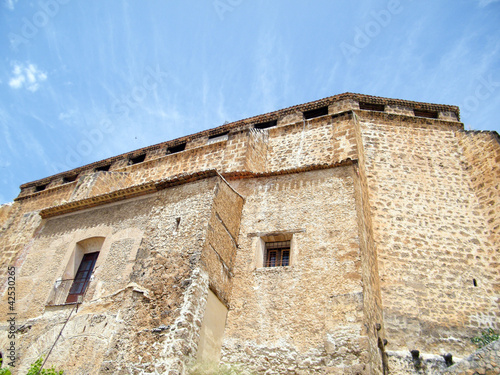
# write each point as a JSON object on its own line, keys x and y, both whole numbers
{"x": 334, "y": 236}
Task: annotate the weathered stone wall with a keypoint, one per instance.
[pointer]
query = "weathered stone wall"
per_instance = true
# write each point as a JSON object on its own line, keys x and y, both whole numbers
{"x": 220, "y": 248}
{"x": 430, "y": 234}
{"x": 5, "y": 211}
{"x": 98, "y": 183}
{"x": 256, "y": 159}
{"x": 168, "y": 265}
{"x": 393, "y": 233}
{"x": 485, "y": 361}
{"x": 145, "y": 304}
{"x": 16, "y": 238}
{"x": 344, "y": 138}
{"x": 482, "y": 153}
{"x": 19, "y": 227}
{"x": 372, "y": 302}
{"x": 303, "y": 143}
{"x": 307, "y": 317}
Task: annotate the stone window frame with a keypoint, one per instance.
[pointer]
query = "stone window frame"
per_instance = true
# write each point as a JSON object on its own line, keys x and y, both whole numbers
{"x": 259, "y": 245}
{"x": 63, "y": 285}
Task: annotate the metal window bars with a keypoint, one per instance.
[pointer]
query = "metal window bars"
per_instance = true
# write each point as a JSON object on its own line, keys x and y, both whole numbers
{"x": 277, "y": 254}
{"x": 67, "y": 291}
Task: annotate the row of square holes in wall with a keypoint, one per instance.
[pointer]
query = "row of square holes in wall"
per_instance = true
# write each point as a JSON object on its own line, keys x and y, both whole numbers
{"x": 318, "y": 112}
{"x": 105, "y": 168}
{"x": 181, "y": 147}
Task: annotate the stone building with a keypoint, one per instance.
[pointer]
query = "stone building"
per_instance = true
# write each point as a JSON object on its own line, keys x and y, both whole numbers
{"x": 331, "y": 237}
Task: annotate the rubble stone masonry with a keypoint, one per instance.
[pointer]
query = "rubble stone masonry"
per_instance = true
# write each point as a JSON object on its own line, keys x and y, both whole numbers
{"x": 389, "y": 206}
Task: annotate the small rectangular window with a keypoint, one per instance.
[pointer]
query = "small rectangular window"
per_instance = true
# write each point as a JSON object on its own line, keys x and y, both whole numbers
{"x": 422, "y": 113}
{"x": 138, "y": 159}
{"x": 277, "y": 254}
{"x": 265, "y": 125}
{"x": 323, "y": 111}
{"x": 103, "y": 168}
{"x": 372, "y": 107}
{"x": 68, "y": 179}
{"x": 178, "y": 148}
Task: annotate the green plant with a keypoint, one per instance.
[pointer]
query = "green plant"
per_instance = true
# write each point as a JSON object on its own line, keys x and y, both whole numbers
{"x": 487, "y": 336}
{"x": 35, "y": 369}
{"x": 4, "y": 370}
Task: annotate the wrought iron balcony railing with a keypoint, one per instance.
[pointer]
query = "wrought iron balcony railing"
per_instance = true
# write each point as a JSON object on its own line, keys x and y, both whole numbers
{"x": 68, "y": 291}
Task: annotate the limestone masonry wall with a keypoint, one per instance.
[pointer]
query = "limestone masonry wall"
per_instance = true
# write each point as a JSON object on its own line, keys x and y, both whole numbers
{"x": 431, "y": 235}
{"x": 389, "y": 209}
{"x": 482, "y": 154}
{"x": 308, "y": 317}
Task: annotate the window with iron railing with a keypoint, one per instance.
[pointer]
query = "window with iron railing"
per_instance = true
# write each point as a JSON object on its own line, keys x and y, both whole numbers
{"x": 277, "y": 254}
{"x": 73, "y": 290}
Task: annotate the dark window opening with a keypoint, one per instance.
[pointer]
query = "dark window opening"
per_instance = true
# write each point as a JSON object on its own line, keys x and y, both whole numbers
{"x": 68, "y": 179}
{"x": 103, "y": 168}
{"x": 137, "y": 159}
{"x": 40, "y": 187}
{"x": 323, "y": 111}
{"x": 277, "y": 254}
{"x": 265, "y": 125}
{"x": 474, "y": 282}
{"x": 82, "y": 277}
{"x": 372, "y": 107}
{"x": 422, "y": 113}
{"x": 178, "y": 148}
{"x": 218, "y": 135}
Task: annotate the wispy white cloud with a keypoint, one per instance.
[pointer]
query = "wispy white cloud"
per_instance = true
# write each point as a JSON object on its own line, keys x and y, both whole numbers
{"x": 68, "y": 116}
{"x": 483, "y": 3}
{"x": 27, "y": 76}
{"x": 10, "y": 4}
{"x": 272, "y": 70}
{"x": 6, "y": 138}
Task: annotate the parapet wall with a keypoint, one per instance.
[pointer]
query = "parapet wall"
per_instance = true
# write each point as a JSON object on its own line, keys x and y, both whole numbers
{"x": 225, "y": 147}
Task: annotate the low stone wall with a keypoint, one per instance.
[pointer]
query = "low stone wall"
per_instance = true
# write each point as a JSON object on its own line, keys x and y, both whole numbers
{"x": 486, "y": 361}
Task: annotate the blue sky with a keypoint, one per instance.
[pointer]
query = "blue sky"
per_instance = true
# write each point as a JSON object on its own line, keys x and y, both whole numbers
{"x": 84, "y": 80}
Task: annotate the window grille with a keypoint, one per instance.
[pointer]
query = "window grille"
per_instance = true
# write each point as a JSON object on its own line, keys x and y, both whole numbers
{"x": 277, "y": 254}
